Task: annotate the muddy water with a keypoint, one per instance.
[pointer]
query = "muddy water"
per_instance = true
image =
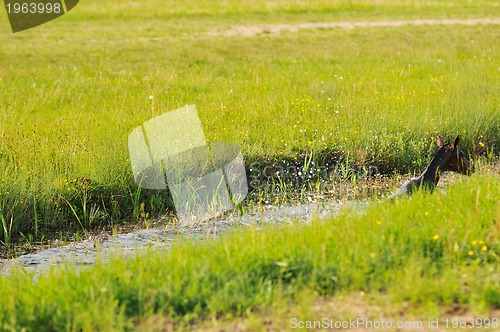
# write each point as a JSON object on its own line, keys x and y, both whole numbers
{"x": 86, "y": 252}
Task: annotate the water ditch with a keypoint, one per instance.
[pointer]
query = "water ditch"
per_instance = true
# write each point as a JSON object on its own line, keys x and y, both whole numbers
{"x": 85, "y": 253}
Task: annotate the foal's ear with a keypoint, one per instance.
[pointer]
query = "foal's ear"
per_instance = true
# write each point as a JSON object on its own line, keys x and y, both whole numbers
{"x": 439, "y": 141}
{"x": 455, "y": 142}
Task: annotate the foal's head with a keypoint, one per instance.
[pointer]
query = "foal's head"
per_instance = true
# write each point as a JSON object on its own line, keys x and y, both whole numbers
{"x": 454, "y": 159}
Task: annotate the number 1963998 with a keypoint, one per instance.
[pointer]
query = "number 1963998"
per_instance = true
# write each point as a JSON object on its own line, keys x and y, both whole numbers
{"x": 33, "y": 8}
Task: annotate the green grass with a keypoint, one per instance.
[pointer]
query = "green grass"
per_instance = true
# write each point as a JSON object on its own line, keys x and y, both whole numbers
{"x": 72, "y": 90}
{"x": 433, "y": 251}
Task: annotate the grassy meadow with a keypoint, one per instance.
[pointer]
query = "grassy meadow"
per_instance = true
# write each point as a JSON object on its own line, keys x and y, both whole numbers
{"x": 71, "y": 92}
{"x": 365, "y": 98}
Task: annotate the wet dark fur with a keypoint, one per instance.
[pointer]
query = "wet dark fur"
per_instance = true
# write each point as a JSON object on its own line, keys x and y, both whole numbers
{"x": 448, "y": 158}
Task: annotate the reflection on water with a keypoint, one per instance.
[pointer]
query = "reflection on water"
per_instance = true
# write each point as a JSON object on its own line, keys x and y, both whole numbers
{"x": 86, "y": 252}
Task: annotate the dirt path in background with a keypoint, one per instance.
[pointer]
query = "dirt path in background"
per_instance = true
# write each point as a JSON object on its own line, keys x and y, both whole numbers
{"x": 253, "y": 30}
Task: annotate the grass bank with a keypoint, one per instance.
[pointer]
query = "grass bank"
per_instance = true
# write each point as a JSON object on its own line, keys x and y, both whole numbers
{"x": 432, "y": 252}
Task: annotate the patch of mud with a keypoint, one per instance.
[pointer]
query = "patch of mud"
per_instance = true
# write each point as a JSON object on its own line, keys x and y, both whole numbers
{"x": 86, "y": 252}
{"x": 253, "y": 30}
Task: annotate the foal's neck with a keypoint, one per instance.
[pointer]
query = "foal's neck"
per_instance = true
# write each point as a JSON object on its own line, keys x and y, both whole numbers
{"x": 430, "y": 177}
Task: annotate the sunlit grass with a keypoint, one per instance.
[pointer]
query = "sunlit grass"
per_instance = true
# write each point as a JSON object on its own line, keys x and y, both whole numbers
{"x": 431, "y": 250}
{"x": 71, "y": 91}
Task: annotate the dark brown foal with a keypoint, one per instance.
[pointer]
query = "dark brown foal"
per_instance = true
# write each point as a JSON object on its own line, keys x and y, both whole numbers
{"x": 448, "y": 158}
